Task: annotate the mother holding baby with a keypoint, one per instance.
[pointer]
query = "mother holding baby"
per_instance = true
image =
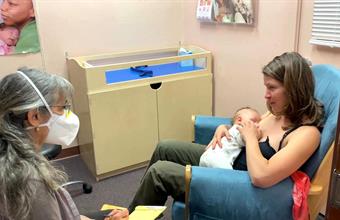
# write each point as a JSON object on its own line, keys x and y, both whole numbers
{"x": 290, "y": 132}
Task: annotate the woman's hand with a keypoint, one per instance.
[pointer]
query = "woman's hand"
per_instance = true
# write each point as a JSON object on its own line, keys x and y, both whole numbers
{"x": 221, "y": 131}
{"x": 118, "y": 215}
{"x": 249, "y": 129}
{"x": 82, "y": 217}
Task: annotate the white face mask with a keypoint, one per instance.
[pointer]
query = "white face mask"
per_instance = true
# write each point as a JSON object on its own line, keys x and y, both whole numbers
{"x": 63, "y": 129}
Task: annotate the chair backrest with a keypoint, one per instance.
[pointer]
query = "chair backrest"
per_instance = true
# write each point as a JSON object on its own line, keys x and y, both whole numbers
{"x": 327, "y": 91}
{"x": 50, "y": 151}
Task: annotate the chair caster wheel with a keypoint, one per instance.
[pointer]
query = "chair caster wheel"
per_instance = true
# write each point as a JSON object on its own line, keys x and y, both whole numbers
{"x": 87, "y": 188}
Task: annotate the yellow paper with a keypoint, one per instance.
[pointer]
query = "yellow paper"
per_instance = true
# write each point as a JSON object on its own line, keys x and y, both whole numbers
{"x": 146, "y": 212}
{"x": 110, "y": 207}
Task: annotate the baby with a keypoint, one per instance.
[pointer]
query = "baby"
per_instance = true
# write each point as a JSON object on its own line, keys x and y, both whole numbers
{"x": 8, "y": 38}
{"x": 224, "y": 157}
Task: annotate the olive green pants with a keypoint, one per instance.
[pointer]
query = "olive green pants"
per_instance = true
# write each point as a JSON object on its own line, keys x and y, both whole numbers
{"x": 165, "y": 173}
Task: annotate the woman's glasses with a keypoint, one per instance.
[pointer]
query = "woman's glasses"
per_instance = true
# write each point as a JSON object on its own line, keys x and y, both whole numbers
{"x": 66, "y": 108}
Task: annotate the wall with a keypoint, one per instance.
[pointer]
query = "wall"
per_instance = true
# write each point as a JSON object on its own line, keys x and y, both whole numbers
{"x": 80, "y": 27}
{"x": 84, "y": 27}
{"x": 317, "y": 54}
{"x": 9, "y": 64}
{"x": 241, "y": 51}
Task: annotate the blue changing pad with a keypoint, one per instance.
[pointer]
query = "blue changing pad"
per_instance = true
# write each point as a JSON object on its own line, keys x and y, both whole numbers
{"x": 114, "y": 76}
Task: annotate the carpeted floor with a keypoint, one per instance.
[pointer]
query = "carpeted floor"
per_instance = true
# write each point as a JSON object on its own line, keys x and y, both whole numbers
{"x": 118, "y": 190}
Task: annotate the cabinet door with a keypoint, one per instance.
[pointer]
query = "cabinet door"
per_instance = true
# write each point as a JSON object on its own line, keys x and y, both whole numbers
{"x": 124, "y": 126}
{"x": 178, "y": 100}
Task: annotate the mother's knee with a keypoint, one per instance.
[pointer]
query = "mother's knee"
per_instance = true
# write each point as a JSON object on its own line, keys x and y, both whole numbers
{"x": 159, "y": 167}
{"x": 166, "y": 169}
{"x": 164, "y": 147}
{"x": 169, "y": 145}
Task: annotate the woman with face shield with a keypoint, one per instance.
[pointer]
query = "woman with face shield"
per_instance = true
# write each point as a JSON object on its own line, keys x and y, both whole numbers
{"x": 35, "y": 109}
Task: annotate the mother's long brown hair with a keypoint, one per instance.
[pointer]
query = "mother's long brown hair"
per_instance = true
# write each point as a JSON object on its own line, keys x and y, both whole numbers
{"x": 293, "y": 71}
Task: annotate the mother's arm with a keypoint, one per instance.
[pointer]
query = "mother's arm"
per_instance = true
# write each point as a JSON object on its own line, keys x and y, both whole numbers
{"x": 264, "y": 173}
{"x": 221, "y": 131}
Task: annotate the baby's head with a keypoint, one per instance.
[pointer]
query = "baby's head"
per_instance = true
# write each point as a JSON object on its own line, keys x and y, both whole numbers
{"x": 245, "y": 114}
{"x": 9, "y": 35}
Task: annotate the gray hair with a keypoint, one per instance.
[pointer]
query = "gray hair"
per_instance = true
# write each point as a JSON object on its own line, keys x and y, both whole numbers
{"x": 20, "y": 164}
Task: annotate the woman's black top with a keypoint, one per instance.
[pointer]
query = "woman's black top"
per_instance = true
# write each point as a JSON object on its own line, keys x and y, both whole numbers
{"x": 267, "y": 151}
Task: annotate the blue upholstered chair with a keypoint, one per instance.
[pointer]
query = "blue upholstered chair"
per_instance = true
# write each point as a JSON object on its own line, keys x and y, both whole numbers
{"x": 228, "y": 194}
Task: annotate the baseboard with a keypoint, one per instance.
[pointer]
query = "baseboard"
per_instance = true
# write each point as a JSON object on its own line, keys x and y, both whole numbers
{"x": 68, "y": 152}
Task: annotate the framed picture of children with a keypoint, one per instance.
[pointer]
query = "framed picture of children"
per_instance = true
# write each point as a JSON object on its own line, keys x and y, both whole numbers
{"x": 204, "y": 10}
{"x": 233, "y": 11}
{"x": 18, "y": 29}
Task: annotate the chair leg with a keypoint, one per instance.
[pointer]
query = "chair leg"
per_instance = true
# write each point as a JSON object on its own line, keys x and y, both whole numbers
{"x": 87, "y": 188}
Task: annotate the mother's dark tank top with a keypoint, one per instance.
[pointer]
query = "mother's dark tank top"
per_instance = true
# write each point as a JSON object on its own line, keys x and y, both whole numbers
{"x": 267, "y": 151}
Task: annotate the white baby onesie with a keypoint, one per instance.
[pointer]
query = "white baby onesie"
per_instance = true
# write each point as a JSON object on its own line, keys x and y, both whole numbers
{"x": 224, "y": 157}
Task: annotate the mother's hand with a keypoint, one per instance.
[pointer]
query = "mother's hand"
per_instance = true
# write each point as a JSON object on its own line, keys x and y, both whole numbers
{"x": 249, "y": 129}
{"x": 221, "y": 131}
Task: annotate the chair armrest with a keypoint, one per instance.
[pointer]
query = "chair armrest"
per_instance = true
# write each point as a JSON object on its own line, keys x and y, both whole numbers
{"x": 315, "y": 190}
{"x": 229, "y": 194}
{"x": 205, "y": 127}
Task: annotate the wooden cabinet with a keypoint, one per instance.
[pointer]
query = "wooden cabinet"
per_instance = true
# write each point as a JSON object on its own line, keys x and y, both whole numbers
{"x": 124, "y": 115}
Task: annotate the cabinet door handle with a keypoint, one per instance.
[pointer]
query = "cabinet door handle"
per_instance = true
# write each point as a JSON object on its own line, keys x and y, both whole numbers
{"x": 156, "y": 85}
